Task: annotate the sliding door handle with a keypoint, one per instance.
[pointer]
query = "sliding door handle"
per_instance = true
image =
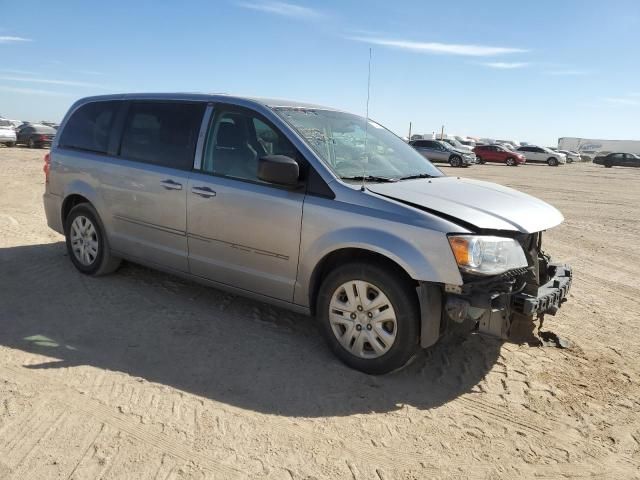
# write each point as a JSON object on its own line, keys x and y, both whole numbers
{"x": 205, "y": 192}
{"x": 171, "y": 185}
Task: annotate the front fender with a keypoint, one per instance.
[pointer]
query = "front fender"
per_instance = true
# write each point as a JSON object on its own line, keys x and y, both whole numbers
{"x": 418, "y": 263}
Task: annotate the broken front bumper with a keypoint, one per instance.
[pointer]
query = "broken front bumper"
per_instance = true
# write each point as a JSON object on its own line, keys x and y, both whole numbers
{"x": 496, "y": 304}
{"x": 550, "y": 295}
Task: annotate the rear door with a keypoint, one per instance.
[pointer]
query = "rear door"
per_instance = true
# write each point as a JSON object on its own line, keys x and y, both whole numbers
{"x": 145, "y": 188}
{"x": 421, "y": 147}
{"x": 242, "y": 231}
{"x": 436, "y": 151}
{"x": 492, "y": 153}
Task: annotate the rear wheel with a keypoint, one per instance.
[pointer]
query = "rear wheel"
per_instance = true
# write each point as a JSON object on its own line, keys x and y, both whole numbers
{"x": 511, "y": 162}
{"x": 369, "y": 317}
{"x": 455, "y": 161}
{"x": 480, "y": 160}
{"x": 10, "y": 144}
{"x": 553, "y": 162}
{"x": 86, "y": 242}
{"x": 31, "y": 143}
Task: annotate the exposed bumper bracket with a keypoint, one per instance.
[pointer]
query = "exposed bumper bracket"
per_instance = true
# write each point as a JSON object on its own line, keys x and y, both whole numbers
{"x": 430, "y": 298}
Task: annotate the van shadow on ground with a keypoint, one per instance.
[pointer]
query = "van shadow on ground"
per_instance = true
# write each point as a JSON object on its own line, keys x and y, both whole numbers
{"x": 209, "y": 343}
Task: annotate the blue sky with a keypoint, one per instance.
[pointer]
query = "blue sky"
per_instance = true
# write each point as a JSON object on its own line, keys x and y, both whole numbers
{"x": 529, "y": 71}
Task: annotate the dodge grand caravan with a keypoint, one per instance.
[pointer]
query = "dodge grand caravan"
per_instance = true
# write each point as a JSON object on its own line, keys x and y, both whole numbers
{"x": 302, "y": 206}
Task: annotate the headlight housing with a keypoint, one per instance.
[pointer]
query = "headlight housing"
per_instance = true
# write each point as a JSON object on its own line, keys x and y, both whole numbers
{"x": 487, "y": 255}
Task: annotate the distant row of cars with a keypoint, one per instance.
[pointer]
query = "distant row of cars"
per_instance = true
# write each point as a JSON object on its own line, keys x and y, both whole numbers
{"x": 33, "y": 135}
{"x": 448, "y": 151}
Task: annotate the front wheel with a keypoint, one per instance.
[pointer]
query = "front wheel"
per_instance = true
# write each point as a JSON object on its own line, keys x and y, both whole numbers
{"x": 369, "y": 317}
{"x": 87, "y": 243}
{"x": 10, "y": 144}
{"x": 510, "y": 162}
{"x": 31, "y": 143}
{"x": 553, "y": 162}
{"x": 455, "y": 161}
{"x": 479, "y": 160}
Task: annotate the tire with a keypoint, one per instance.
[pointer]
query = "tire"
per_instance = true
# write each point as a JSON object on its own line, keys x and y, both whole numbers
{"x": 10, "y": 144}
{"x": 553, "y": 162}
{"x": 90, "y": 236}
{"x": 511, "y": 162}
{"x": 376, "y": 348}
{"x": 479, "y": 160}
{"x": 31, "y": 143}
{"x": 607, "y": 165}
{"x": 455, "y": 161}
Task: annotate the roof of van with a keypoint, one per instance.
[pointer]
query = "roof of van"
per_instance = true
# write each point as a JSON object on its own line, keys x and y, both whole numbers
{"x": 207, "y": 97}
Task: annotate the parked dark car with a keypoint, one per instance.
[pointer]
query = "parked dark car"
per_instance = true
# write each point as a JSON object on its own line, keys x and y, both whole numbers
{"x": 618, "y": 160}
{"x": 498, "y": 154}
{"x": 35, "y": 136}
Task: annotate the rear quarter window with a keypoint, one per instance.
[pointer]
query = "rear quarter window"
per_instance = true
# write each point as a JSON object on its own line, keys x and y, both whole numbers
{"x": 90, "y": 126}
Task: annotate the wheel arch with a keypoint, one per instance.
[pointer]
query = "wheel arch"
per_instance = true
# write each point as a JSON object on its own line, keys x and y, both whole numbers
{"x": 75, "y": 194}
{"x": 344, "y": 255}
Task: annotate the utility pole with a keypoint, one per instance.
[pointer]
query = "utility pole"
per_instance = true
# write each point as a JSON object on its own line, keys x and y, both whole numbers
{"x": 409, "y": 131}
{"x": 442, "y": 133}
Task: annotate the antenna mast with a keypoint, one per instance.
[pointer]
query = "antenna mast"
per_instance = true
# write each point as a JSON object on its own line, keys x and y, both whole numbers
{"x": 366, "y": 127}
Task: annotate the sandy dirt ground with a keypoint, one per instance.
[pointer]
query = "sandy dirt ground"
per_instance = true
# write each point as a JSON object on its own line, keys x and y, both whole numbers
{"x": 145, "y": 376}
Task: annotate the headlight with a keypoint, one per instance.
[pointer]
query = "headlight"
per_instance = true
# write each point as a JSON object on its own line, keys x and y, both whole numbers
{"x": 487, "y": 255}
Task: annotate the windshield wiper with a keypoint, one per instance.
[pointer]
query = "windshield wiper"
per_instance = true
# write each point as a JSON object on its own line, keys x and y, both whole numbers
{"x": 417, "y": 175}
{"x": 370, "y": 178}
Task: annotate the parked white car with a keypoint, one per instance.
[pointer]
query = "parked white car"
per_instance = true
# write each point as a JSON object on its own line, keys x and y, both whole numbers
{"x": 7, "y": 135}
{"x": 571, "y": 156}
{"x": 535, "y": 154}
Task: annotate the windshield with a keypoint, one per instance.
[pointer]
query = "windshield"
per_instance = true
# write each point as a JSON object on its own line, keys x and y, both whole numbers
{"x": 353, "y": 148}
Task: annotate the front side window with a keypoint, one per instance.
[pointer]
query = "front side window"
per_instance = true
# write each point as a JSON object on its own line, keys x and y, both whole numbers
{"x": 237, "y": 139}
{"x": 90, "y": 126}
{"x": 162, "y": 134}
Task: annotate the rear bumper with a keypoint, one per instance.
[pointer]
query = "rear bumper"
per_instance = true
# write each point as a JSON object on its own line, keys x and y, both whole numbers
{"x": 53, "y": 212}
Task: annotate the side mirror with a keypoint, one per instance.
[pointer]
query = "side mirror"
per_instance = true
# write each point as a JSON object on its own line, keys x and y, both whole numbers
{"x": 278, "y": 169}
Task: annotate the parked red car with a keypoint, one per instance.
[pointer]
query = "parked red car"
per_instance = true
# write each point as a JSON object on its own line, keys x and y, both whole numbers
{"x": 498, "y": 154}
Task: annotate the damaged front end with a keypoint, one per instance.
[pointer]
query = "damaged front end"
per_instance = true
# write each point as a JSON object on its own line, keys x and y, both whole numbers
{"x": 506, "y": 305}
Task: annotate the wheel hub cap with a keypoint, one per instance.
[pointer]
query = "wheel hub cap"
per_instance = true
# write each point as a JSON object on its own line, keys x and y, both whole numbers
{"x": 84, "y": 240}
{"x": 363, "y": 319}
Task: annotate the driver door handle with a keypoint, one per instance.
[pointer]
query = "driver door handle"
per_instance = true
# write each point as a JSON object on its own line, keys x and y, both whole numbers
{"x": 205, "y": 192}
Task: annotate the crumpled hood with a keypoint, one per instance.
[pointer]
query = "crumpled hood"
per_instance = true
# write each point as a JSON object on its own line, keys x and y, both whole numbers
{"x": 482, "y": 204}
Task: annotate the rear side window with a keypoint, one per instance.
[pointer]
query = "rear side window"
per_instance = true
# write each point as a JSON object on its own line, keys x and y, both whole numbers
{"x": 162, "y": 134}
{"x": 89, "y": 127}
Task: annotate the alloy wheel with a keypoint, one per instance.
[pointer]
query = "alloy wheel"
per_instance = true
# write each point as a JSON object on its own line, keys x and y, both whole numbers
{"x": 84, "y": 240}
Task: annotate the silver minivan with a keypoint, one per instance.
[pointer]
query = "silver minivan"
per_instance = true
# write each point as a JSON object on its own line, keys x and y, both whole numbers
{"x": 305, "y": 207}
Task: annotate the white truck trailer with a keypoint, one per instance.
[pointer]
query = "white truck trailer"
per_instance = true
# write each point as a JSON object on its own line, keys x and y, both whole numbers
{"x": 588, "y": 148}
